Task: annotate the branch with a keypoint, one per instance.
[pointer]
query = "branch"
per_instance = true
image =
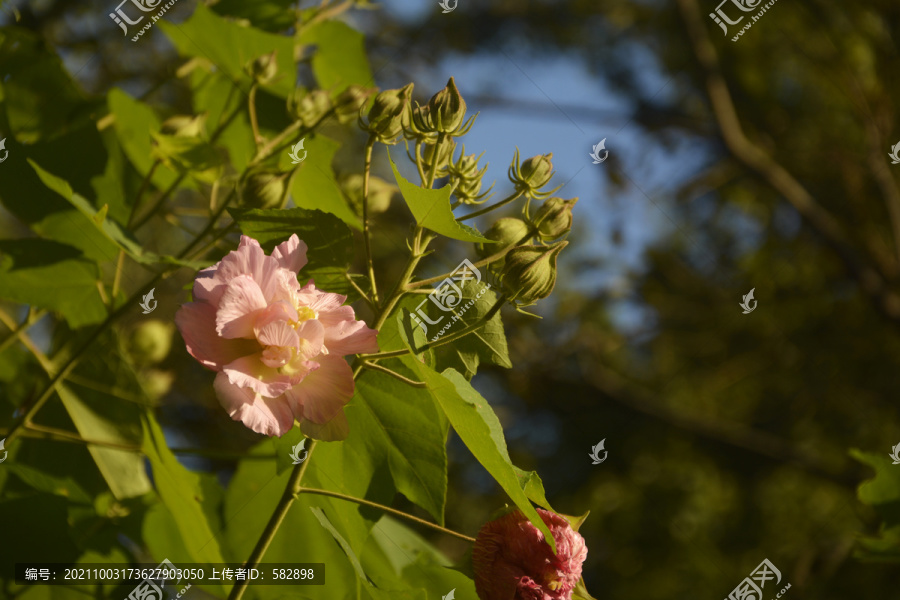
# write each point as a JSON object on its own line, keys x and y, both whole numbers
{"x": 757, "y": 160}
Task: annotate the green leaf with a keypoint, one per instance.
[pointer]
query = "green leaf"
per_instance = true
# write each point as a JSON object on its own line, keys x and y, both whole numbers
{"x": 400, "y": 428}
{"x": 51, "y": 484}
{"x": 883, "y": 494}
{"x": 488, "y": 344}
{"x": 314, "y": 185}
{"x": 341, "y": 57}
{"x": 255, "y": 491}
{"x": 329, "y": 241}
{"x": 183, "y": 493}
{"x": 96, "y": 418}
{"x": 534, "y": 488}
{"x": 348, "y": 551}
{"x": 109, "y": 228}
{"x": 135, "y": 122}
{"x": 231, "y": 47}
{"x": 431, "y": 209}
{"x": 50, "y": 275}
{"x": 217, "y": 96}
{"x": 479, "y": 428}
{"x": 192, "y": 155}
{"x": 268, "y": 15}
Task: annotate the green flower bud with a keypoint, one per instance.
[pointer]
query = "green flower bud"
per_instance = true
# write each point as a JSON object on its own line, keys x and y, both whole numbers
{"x": 465, "y": 177}
{"x": 530, "y": 272}
{"x": 309, "y": 107}
{"x": 150, "y": 342}
{"x": 532, "y": 174}
{"x": 444, "y": 113}
{"x": 264, "y": 189}
{"x": 506, "y": 232}
{"x": 264, "y": 68}
{"x": 554, "y": 217}
{"x": 388, "y": 114}
{"x": 349, "y": 102}
{"x": 184, "y": 125}
{"x": 380, "y": 192}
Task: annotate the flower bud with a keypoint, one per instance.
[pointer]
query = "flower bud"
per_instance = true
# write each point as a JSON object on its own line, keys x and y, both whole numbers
{"x": 465, "y": 177}
{"x": 444, "y": 113}
{"x": 529, "y": 274}
{"x": 554, "y": 217}
{"x": 532, "y": 174}
{"x": 150, "y": 342}
{"x": 264, "y": 68}
{"x": 184, "y": 125}
{"x": 388, "y": 113}
{"x": 349, "y": 102}
{"x": 264, "y": 189}
{"x": 380, "y": 193}
{"x": 309, "y": 107}
{"x": 506, "y": 232}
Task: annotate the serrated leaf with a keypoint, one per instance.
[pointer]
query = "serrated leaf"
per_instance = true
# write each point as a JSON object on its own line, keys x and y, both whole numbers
{"x": 328, "y": 239}
{"x": 488, "y": 344}
{"x": 431, "y": 209}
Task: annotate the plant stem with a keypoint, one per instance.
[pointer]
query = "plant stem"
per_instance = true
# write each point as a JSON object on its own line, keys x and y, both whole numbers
{"x": 365, "y": 210}
{"x": 394, "y": 374}
{"x": 268, "y": 534}
{"x": 488, "y": 209}
{"x": 251, "y": 107}
{"x": 440, "y": 341}
{"x": 412, "y": 287}
{"x": 387, "y": 509}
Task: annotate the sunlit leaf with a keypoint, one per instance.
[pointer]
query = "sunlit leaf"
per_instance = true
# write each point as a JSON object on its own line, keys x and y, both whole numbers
{"x": 431, "y": 209}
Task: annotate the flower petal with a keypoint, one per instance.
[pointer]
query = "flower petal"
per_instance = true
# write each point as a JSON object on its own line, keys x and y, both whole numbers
{"x": 268, "y": 416}
{"x": 350, "y": 337}
{"x": 323, "y": 392}
{"x": 312, "y": 337}
{"x": 239, "y": 308}
{"x": 278, "y": 333}
{"x": 248, "y": 259}
{"x": 334, "y": 430}
{"x": 197, "y": 323}
{"x": 291, "y": 255}
{"x": 250, "y": 372}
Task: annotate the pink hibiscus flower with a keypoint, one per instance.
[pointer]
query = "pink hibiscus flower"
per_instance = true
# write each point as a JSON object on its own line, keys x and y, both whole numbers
{"x": 278, "y": 347}
{"x": 512, "y": 561}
